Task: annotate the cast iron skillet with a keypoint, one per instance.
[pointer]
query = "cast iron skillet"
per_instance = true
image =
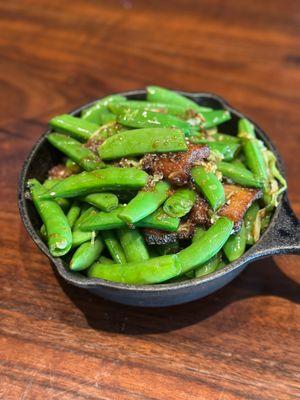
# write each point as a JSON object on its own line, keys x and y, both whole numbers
{"x": 281, "y": 237}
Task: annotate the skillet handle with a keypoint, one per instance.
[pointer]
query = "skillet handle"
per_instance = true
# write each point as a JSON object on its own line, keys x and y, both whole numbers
{"x": 284, "y": 235}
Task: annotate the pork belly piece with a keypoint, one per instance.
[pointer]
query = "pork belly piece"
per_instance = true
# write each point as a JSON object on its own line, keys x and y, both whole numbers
{"x": 175, "y": 167}
{"x": 185, "y": 231}
{"x": 239, "y": 199}
{"x": 199, "y": 214}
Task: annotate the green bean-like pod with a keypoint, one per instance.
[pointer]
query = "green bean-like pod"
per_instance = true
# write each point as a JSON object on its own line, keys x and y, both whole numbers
{"x": 180, "y": 203}
{"x": 246, "y": 129}
{"x": 103, "y": 221}
{"x": 86, "y": 254}
{"x": 159, "y": 220}
{"x": 114, "y": 247}
{"x": 133, "y": 244}
{"x": 214, "y": 118}
{"x": 93, "y": 113}
{"x": 72, "y": 166}
{"x": 104, "y": 201}
{"x": 73, "y": 126}
{"x": 142, "y": 141}
{"x": 111, "y": 178}
{"x": 208, "y": 184}
{"x": 154, "y": 270}
{"x": 207, "y": 246}
{"x": 236, "y": 245}
{"x": 84, "y": 157}
{"x": 239, "y": 174}
{"x": 73, "y": 213}
{"x": 58, "y": 230}
{"x": 249, "y": 221}
{"x": 143, "y": 105}
{"x": 209, "y": 267}
{"x": 145, "y": 203}
{"x": 162, "y": 95}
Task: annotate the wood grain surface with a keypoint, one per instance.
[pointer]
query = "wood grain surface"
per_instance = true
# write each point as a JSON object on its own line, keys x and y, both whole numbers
{"x": 59, "y": 342}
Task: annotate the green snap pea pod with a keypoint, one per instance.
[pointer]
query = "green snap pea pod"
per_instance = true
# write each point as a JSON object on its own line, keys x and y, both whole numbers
{"x": 105, "y": 260}
{"x": 238, "y": 162}
{"x": 141, "y": 141}
{"x": 114, "y": 247}
{"x": 43, "y": 232}
{"x": 210, "y": 186}
{"x": 86, "y": 254}
{"x": 235, "y": 245}
{"x": 154, "y": 270}
{"x": 161, "y": 95}
{"x": 145, "y": 203}
{"x": 83, "y": 156}
{"x": 249, "y": 220}
{"x": 159, "y": 220}
{"x": 112, "y": 178}
{"x": 199, "y": 232}
{"x": 246, "y": 129}
{"x": 85, "y": 213}
{"x": 80, "y": 237}
{"x": 73, "y": 213}
{"x": 143, "y": 105}
{"x": 76, "y": 127}
{"x": 103, "y": 221}
{"x": 57, "y": 227}
{"x": 227, "y": 149}
{"x": 149, "y": 119}
{"x": 92, "y": 114}
{"x": 104, "y": 201}
{"x": 133, "y": 244}
{"x": 214, "y": 118}
{"x": 238, "y": 174}
{"x": 254, "y": 159}
{"x": 107, "y": 117}
{"x": 209, "y": 267}
{"x": 72, "y": 166}
{"x": 207, "y": 246}
{"x": 180, "y": 203}
{"x": 63, "y": 203}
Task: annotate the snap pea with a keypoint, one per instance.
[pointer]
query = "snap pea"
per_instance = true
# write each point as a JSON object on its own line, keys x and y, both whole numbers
{"x": 180, "y": 203}
{"x": 235, "y": 245}
{"x": 63, "y": 203}
{"x": 73, "y": 213}
{"x": 84, "y": 157}
{"x": 154, "y": 270}
{"x": 79, "y": 237}
{"x": 210, "y": 186}
{"x": 103, "y": 221}
{"x": 85, "y": 213}
{"x": 73, "y": 126}
{"x": 249, "y": 220}
{"x": 159, "y": 220}
{"x": 93, "y": 113}
{"x": 72, "y": 166}
{"x": 214, "y": 118}
{"x": 209, "y": 267}
{"x": 149, "y": 119}
{"x": 114, "y": 247}
{"x": 133, "y": 244}
{"x": 223, "y": 137}
{"x": 43, "y": 232}
{"x": 161, "y": 95}
{"x": 104, "y": 201}
{"x": 145, "y": 203}
{"x": 239, "y": 174}
{"x": 86, "y": 254}
{"x": 228, "y": 149}
{"x": 112, "y": 178}
{"x": 207, "y": 246}
{"x": 199, "y": 232}
{"x": 254, "y": 159}
{"x": 245, "y": 129}
{"x": 106, "y": 117}
{"x": 57, "y": 227}
{"x": 141, "y": 141}
{"x": 143, "y": 105}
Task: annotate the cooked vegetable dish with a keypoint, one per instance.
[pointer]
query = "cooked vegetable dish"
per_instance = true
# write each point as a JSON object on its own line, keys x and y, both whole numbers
{"x": 155, "y": 190}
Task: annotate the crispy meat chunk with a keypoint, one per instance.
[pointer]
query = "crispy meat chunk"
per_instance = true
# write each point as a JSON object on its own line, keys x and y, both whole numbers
{"x": 155, "y": 236}
{"x": 175, "y": 167}
{"x": 94, "y": 142}
{"x": 59, "y": 171}
{"x": 199, "y": 213}
{"x": 239, "y": 199}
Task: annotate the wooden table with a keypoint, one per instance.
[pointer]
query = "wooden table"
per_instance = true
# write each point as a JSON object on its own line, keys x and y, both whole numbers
{"x": 59, "y": 342}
